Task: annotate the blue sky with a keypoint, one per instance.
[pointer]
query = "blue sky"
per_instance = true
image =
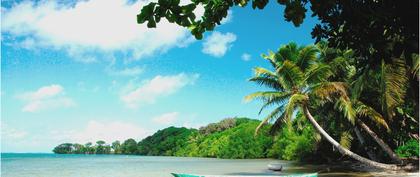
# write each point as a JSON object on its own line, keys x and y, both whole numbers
{"x": 75, "y": 72}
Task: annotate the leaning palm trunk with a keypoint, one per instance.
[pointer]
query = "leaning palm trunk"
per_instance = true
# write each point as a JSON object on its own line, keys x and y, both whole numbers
{"x": 343, "y": 150}
{"x": 381, "y": 143}
{"x": 362, "y": 142}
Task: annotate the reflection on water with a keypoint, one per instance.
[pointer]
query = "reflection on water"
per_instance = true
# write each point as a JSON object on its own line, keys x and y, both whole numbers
{"x": 51, "y": 165}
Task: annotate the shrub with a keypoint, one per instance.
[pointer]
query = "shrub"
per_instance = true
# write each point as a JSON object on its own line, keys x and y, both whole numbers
{"x": 409, "y": 149}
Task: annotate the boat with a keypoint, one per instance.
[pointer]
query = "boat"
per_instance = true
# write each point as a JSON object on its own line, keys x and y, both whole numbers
{"x": 275, "y": 167}
{"x": 292, "y": 175}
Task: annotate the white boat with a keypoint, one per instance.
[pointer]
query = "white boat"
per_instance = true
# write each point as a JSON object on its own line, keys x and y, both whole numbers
{"x": 275, "y": 167}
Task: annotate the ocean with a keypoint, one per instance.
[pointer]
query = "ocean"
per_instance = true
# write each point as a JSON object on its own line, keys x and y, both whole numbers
{"x": 73, "y": 165}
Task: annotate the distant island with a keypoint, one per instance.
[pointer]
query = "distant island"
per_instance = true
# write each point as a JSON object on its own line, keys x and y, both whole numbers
{"x": 229, "y": 138}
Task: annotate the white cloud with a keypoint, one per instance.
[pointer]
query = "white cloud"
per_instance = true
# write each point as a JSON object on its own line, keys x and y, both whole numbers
{"x": 43, "y": 92}
{"x": 157, "y": 87}
{"x": 40, "y": 105}
{"x": 167, "y": 118}
{"x": 246, "y": 57}
{"x": 133, "y": 71}
{"x": 11, "y": 133}
{"x": 45, "y": 98}
{"x": 86, "y": 28}
{"x": 102, "y": 130}
{"x": 217, "y": 44}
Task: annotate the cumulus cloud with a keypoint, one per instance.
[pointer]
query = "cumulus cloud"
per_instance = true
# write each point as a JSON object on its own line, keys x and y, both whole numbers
{"x": 158, "y": 87}
{"x": 102, "y": 130}
{"x": 86, "y": 28}
{"x": 217, "y": 44}
{"x": 45, "y": 98}
{"x": 246, "y": 57}
{"x": 167, "y": 118}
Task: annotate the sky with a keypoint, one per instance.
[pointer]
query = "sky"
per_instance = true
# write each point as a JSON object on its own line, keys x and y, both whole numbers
{"x": 82, "y": 71}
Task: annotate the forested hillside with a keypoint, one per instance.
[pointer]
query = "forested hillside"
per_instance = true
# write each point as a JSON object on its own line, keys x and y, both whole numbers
{"x": 229, "y": 138}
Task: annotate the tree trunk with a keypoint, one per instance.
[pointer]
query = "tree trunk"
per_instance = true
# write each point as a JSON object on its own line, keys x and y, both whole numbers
{"x": 361, "y": 139}
{"x": 381, "y": 143}
{"x": 343, "y": 150}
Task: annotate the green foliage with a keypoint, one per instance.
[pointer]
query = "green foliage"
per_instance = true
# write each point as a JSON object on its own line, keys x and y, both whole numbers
{"x": 297, "y": 76}
{"x": 65, "y": 148}
{"x": 294, "y": 143}
{"x": 102, "y": 148}
{"x": 217, "y": 127}
{"x": 236, "y": 142}
{"x": 291, "y": 145}
{"x": 165, "y": 142}
{"x": 312, "y": 78}
{"x": 68, "y": 148}
{"x": 409, "y": 149}
{"x": 129, "y": 146}
{"x": 116, "y": 147}
{"x": 214, "y": 12}
{"x": 231, "y": 138}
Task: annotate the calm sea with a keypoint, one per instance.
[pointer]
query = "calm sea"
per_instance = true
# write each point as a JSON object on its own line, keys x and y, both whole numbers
{"x": 54, "y": 165}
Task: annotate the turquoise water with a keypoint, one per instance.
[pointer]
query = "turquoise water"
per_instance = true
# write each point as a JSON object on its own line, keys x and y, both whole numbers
{"x": 54, "y": 165}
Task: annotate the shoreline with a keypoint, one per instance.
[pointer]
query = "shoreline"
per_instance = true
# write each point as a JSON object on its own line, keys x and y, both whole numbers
{"x": 355, "y": 165}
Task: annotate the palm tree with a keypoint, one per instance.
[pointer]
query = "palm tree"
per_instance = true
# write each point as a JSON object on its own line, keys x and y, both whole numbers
{"x": 340, "y": 62}
{"x": 297, "y": 81}
{"x": 363, "y": 110}
{"x": 391, "y": 79}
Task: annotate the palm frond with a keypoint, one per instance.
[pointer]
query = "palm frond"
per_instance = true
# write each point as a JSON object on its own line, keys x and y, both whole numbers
{"x": 291, "y": 74}
{"x": 369, "y": 112}
{"x": 291, "y": 105}
{"x": 288, "y": 52}
{"x": 265, "y": 95}
{"x": 318, "y": 72}
{"x": 393, "y": 85}
{"x": 271, "y": 58}
{"x": 338, "y": 64}
{"x": 359, "y": 85}
{"x": 348, "y": 53}
{"x": 345, "y": 139}
{"x": 266, "y": 78}
{"x": 329, "y": 90}
{"x": 415, "y": 63}
{"x": 345, "y": 106}
{"x": 280, "y": 121}
{"x": 279, "y": 100}
{"x": 267, "y": 82}
{"x": 273, "y": 115}
{"x": 306, "y": 57}
{"x": 289, "y": 108}
{"x": 260, "y": 71}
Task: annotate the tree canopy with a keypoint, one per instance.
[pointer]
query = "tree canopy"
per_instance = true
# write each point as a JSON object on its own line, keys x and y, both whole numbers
{"x": 376, "y": 30}
{"x": 233, "y": 138}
